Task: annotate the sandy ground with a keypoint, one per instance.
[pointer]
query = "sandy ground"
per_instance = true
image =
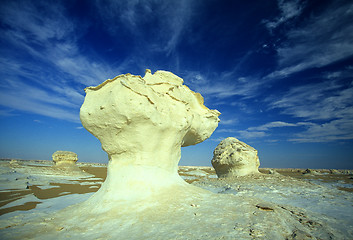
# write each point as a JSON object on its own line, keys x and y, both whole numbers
{"x": 277, "y": 204}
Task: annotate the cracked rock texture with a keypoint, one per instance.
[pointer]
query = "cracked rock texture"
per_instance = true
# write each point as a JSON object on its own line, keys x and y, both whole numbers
{"x": 233, "y": 158}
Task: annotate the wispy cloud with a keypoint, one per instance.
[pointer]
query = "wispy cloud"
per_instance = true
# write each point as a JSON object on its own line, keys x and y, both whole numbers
{"x": 288, "y": 9}
{"x": 228, "y": 121}
{"x": 222, "y": 86}
{"x": 263, "y": 130}
{"x": 251, "y": 134}
{"x": 6, "y": 113}
{"x": 327, "y": 105}
{"x": 29, "y": 104}
{"x": 267, "y": 126}
{"x": 169, "y": 18}
{"x": 20, "y": 96}
{"x": 44, "y": 71}
{"x": 320, "y": 101}
{"x": 219, "y": 139}
{"x": 323, "y": 39}
{"x": 225, "y": 130}
{"x": 341, "y": 129}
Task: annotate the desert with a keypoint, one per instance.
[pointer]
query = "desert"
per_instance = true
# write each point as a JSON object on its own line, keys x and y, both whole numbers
{"x": 276, "y": 204}
{"x": 157, "y": 119}
{"x": 143, "y": 193}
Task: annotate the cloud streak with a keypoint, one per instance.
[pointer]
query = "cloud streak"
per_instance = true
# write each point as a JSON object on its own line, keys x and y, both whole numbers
{"x": 48, "y": 76}
{"x": 288, "y": 9}
{"x": 222, "y": 86}
{"x": 331, "y": 131}
{"x": 321, "y": 101}
{"x": 323, "y": 39}
{"x": 29, "y": 104}
{"x": 327, "y": 105}
{"x": 262, "y": 131}
{"x": 267, "y": 126}
{"x": 169, "y": 20}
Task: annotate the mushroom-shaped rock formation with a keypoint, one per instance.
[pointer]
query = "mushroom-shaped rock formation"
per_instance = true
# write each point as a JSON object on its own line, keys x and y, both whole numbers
{"x": 233, "y": 158}
{"x": 141, "y": 124}
{"x": 64, "y": 158}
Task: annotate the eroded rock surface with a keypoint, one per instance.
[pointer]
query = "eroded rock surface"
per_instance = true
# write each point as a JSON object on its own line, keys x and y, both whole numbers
{"x": 61, "y": 158}
{"x": 142, "y": 123}
{"x": 233, "y": 158}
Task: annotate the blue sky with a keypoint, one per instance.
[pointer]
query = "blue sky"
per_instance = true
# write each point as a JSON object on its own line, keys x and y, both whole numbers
{"x": 280, "y": 72}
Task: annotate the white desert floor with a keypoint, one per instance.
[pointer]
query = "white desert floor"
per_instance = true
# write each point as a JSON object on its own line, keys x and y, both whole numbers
{"x": 287, "y": 204}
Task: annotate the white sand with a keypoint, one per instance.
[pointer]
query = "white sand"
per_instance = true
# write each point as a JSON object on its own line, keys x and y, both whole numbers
{"x": 256, "y": 207}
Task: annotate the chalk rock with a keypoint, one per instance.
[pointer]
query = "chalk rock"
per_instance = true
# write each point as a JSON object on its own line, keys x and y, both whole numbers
{"x": 272, "y": 171}
{"x": 310, "y": 171}
{"x": 334, "y": 171}
{"x": 141, "y": 124}
{"x": 61, "y": 158}
{"x": 233, "y": 158}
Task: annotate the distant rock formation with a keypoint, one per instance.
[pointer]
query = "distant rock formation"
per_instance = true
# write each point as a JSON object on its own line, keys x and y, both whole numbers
{"x": 233, "y": 158}
{"x": 64, "y": 158}
{"x": 141, "y": 124}
{"x": 311, "y": 172}
{"x": 272, "y": 171}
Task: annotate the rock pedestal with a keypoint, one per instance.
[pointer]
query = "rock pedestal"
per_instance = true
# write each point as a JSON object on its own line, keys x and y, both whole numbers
{"x": 141, "y": 124}
{"x": 64, "y": 158}
{"x": 233, "y": 158}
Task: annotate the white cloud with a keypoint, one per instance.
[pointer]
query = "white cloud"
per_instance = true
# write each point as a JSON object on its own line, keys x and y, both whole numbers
{"x": 24, "y": 17}
{"x": 228, "y": 121}
{"x": 252, "y": 134}
{"x": 320, "y": 101}
{"x": 217, "y": 139}
{"x": 241, "y": 106}
{"x": 170, "y": 20}
{"x": 289, "y": 10}
{"x": 6, "y": 113}
{"x": 321, "y": 40}
{"x": 44, "y": 71}
{"x": 18, "y": 88}
{"x": 218, "y": 130}
{"x": 267, "y": 126}
{"x": 327, "y": 104}
{"x": 221, "y": 87}
{"x": 333, "y": 75}
{"x": 49, "y": 36}
{"x": 29, "y": 104}
{"x": 260, "y": 131}
{"x": 341, "y": 129}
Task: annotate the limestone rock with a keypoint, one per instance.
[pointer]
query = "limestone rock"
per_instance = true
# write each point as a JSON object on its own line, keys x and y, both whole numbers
{"x": 141, "y": 124}
{"x": 233, "y": 158}
{"x": 334, "y": 171}
{"x": 61, "y": 158}
{"x": 311, "y": 172}
{"x": 308, "y": 171}
{"x": 272, "y": 171}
